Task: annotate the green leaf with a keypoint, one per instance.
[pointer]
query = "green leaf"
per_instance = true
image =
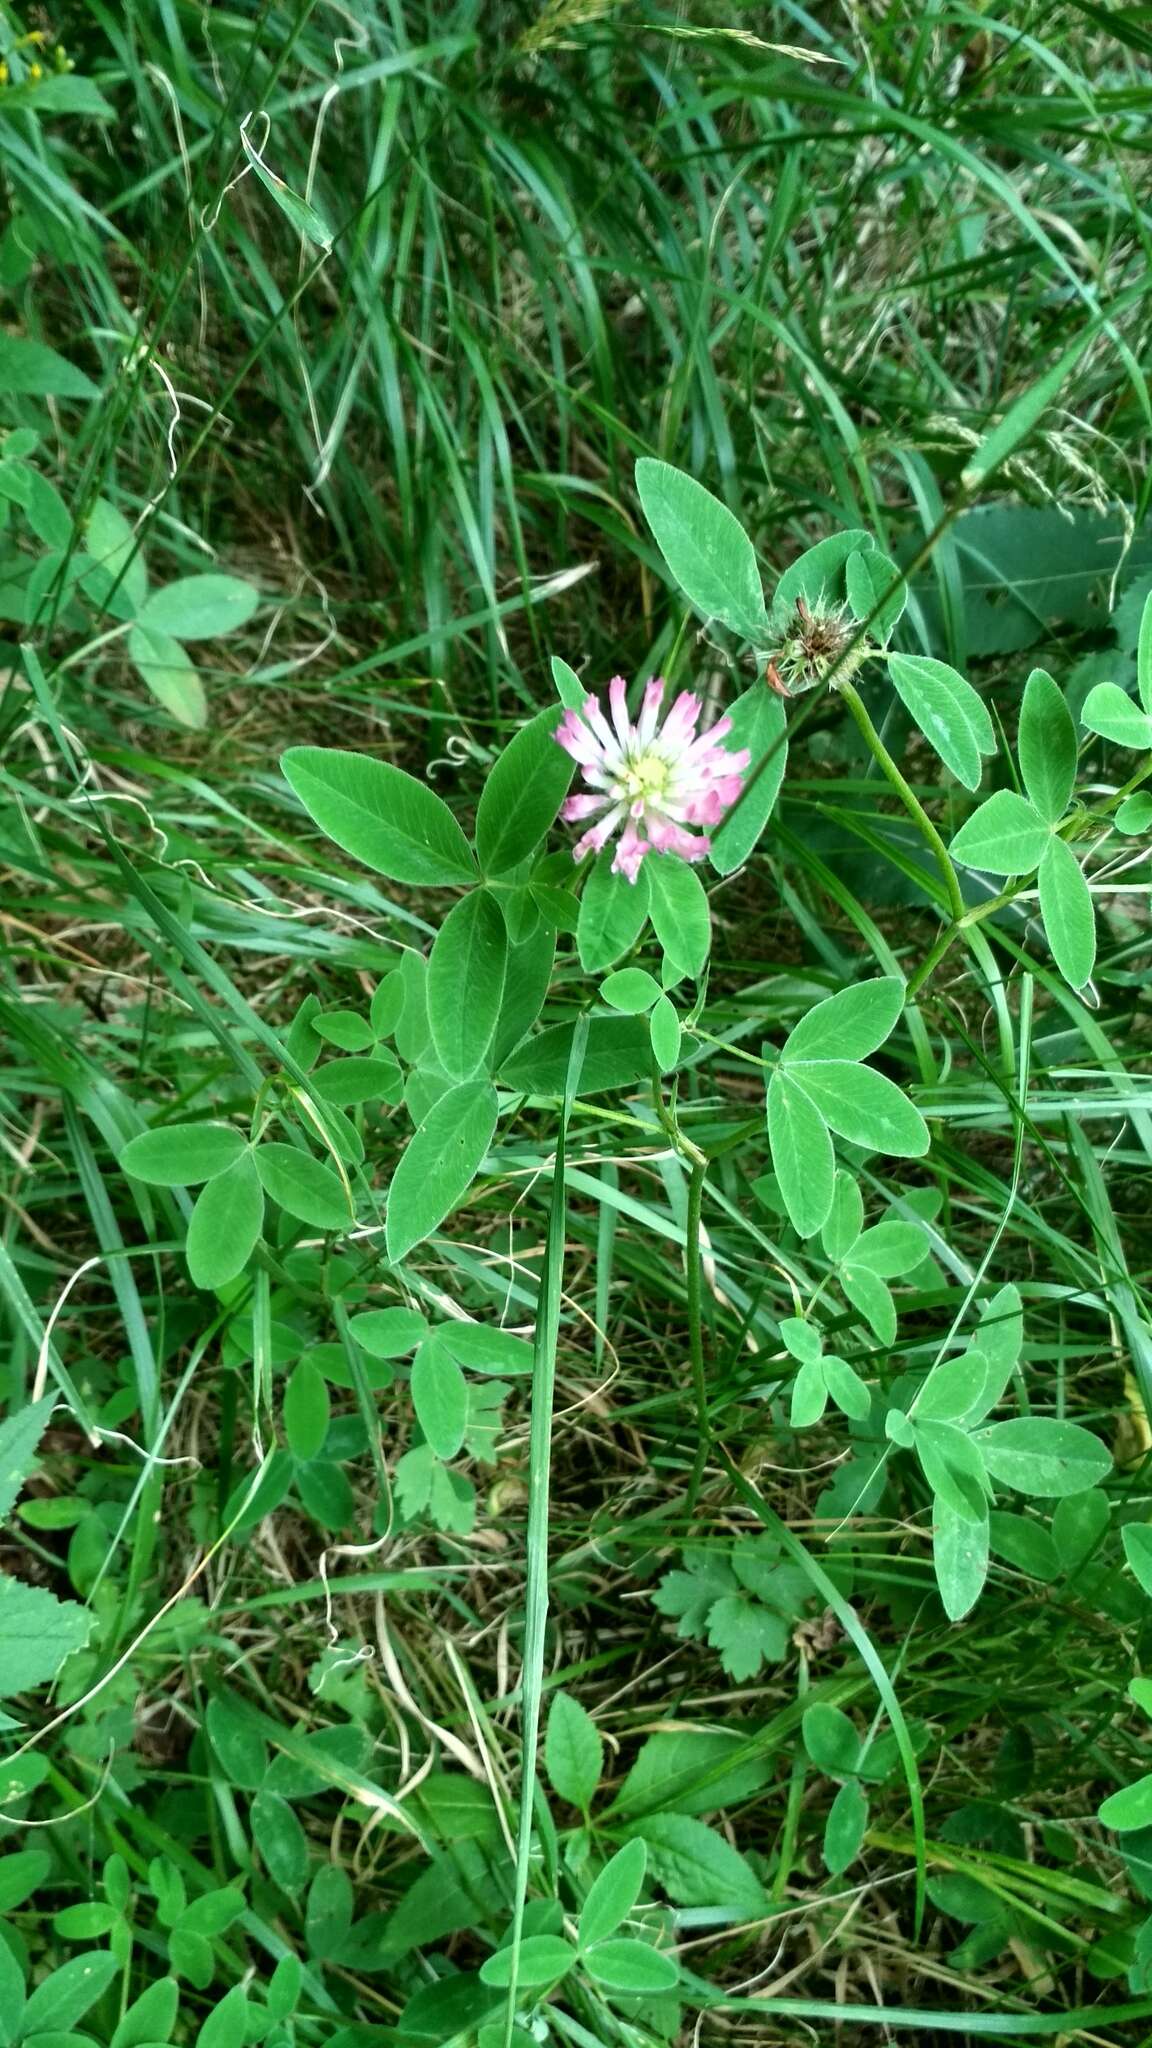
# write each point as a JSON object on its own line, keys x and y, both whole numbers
{"x": 180, "y": 1155}
{"x": 440, "y": 1397}
{"x": 346, "y": 1029}
{"x": 614, "y": 1893}
{"x": 1066, "y": 908}
{"x": 1129, "y": 1808}
{"x": 151, "y": 2017}
{"x": 439, "y": 1165}
{"x": 960, "y": 1558}
{"x": 226, "y": 1222}
{"x": 303, "y": 1187}
{"x": 819, "y": 574}
{"x": 381, "y": 816}
{"x": 482, "y": 1348}
{"x": 522, "y": 796}
{"x": 1046, "y": 744}
{"x": 802, "y": 1340}
{"x": 830, "y": 1739}
{"x": 1035, "y": 1454}
{"x": 862, "y": 1106}
{"x": 20, "y": 1436}
{"x": 616, "y": 1056}
{"x": 849, "y": 1025}
{"x": 1006, "y": 836}
{"x": 239, "y": 1746}
{"x": 632, "y": 990}
{"x": 952, "y": 717}
{"x": 872, "y": 1298}
{"x": 697, "y": 1866}
{"x": 705, "y": 547}
{"x": 613, "y": 913}
{"x": 21, "y": 1874}
{"x": 11, "y": 1994}
{"x": 63, "y": 1998}
{"x": 466, "y": 971}
{"x": 953, "y": 1389}
{"x": 868, "y": 575}
{"x": 389, "y": 1332}
{"x": 664, "y": 1029}
{"x": 281, "y": 1841}
{"x": 1135, "y": 814}
{"x": 525, "y": 989}
{"x": 809, "y": 1395}
{"x": 227, "y": 2024}
{"x": 307, "y": 1410}
{"x": 890, "y": 1249}
{"x": 170, "y": 674}
{"x": 349, "y": 1082}
{"x": 801, "y": 1154}
{"x": 845, "y": 1827}
{"x": 1144, "y": 656}
{"x": 31, "y": 370}
{"x": 953, "y": 1465}
{"x": 1109, "y": 710}
{"x": 544, "y": 1959}
{"x": 200, "y": 607}
{"x": 631, "y": 1966}
{"x": 1137, "y": 1540}
{"x": 297, "y": 211}
{"x": 680, "y": 914}
{"x": 1078, "y": 1525}
{"x": 117, "y": 560}
{"x": 847, "y": 1389}
{"x": 570, "y": 690}
{"x": 845, "y": 1218}
{"x": 758, "y": 723}
{"x": 574, "y": 1759}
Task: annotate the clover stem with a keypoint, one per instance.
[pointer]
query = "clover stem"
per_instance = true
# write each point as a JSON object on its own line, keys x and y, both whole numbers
{"x": 908, "y": 798}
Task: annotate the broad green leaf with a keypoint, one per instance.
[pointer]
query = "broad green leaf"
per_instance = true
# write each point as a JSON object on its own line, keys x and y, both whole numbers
{"x": 32, "y": 370}
{"x": 307, "y": 1410}
{"x": 570, "y": 690}
{"x": 440, "y": 1397}
{"x": 872, "y": 1297}
{"x": 631, "y": 990}
{"x": 1025, "y": 1544}
{"x": 1137, "y": 1540}
{"x": 20, "y": 1436}
{"x": 466, "y": 970}
{"x": 1078, "y": 1525}
{"x": 869, "y": 577}
{"x": 696, "y": 1866}
{"x": 960, "y": 1558}
{"x": 346, "y": 1029}
{"x": 613, "y": 1893}
{"x": 522, "y": 796}
{"x": 613, "y": 913}
{"x": 831, "y": 1739}
{"x": 200, "y": 607}
{"x": 1066, "y": 908}
{"x": 388, "y": 820}
{"x": 574, "y": 1760}
{"x": 801, "y": 1154}
{"x": 680, "y": 914}
{"x": 1006, "y": 836}
{"x": 1129, "y": 1808}
{"x": 845, "y": 1218}
{"x": 801, "y": 1339}
{"x": 483, "y": 1348}
{"x": 1144, "y": 656}
{"x": 999, "y": 1339}
{"x": 616, "y": 1056}
{"x": 890, "y": 1249}
{"x": 1038, "y": 1455}
{"x": 1109, "y": 710}
{"x": 302, "y": 216}
{"x": 948, "y": 711}
{"x": 49, "y": 517}
{"x": 171, "y": 675}
{"x": 181, "y": 1155}
{"x": 151, "y": 2017}
{"x": 849, "y": 1025}
{"x": 847, "y": 1389}
{"x": 863, "y": 1106}
{"x": 631, "y": 1966}
{"x": 953, "y": 1389}
{"x": 389, "y": 1332}
{"x": 62, "y": 1999}
{"x": 953, "y": 1466}
{"x": 705, "y": 547}
{"x": 845, "y": 1827}
{"x": 544, "y": 1959}
{"x": 526, "y": 983}
{"x": 387, "y": 1004}
{"x": 818, "y": 575}
{"x": 352, "y": 1081}
{"x": 758, "y": 723}
{"x": 238, "y": 1744}
{"x": 303, "y": 1187}
{"x": 1135, "y": 814}
{"x": 664, "y": 1030}
{"x": 21, "y": 1873}
{"x": 227, "y": 2024}
{"x": 226, "y": 1222}
{"x": 439, "y": 1165}
{"x": 38, "y": 1633}
{"x": 1046, "y": 744}
{"x": 117, "y": 560}
{"x": 809, "y": 1395}
{"x": 280, "y": 1840}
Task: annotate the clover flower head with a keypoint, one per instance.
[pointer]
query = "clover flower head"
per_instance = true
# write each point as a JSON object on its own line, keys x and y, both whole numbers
{"x": 649, "y": 780}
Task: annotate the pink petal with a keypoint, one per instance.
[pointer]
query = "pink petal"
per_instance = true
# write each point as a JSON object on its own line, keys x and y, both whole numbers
{"x": 575, "y": 807}
{"x": 618, "y": 699}
{"x": 630, "y": 853}
{"x": 650, "y": 711}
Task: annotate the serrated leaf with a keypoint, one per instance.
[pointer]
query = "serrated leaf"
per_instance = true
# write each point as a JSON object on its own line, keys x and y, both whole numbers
{"x": 20, "y": 1436}
{"x": 696, "y": 1866}
{"x": 466, "y": 971}
{"x": 394, "y": 824}
{"x": 758, "y": 724}
{"x": 746, "y": 1635}
{"x": 439, "y": 1165}
{"x": 38, "y": 1633}
{"x": 522, "y": 796}
{"x": 303, "y": 1187}
{"x": 801, "y": 1154}
{"x": 1067, "y": 912}
{"x": 705, "y": 547}
{"x": 1046, "y": 744}
{"x": 1006, "y": 836}
{"x": 613, "y": 1893}
{"x": 181, "y": 1155}
{"x": 849, "y": 1025}
{"x": 952, "y": 717}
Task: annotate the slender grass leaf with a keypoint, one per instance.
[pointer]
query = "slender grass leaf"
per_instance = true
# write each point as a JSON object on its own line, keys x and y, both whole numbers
{"x": 38, "y": 1633}
{"x": 297, "y": 211}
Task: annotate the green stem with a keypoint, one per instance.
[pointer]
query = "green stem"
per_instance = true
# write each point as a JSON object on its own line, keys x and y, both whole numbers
{"x": 908, "y": 798}
{"x": 696, "y": 1331}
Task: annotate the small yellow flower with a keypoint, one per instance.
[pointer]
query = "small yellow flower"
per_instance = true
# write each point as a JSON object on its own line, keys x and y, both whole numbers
{"x": 35, "y": 71}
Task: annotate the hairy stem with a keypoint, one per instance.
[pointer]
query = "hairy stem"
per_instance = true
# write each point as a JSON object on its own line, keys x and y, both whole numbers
{"x": 908, "y": 798}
